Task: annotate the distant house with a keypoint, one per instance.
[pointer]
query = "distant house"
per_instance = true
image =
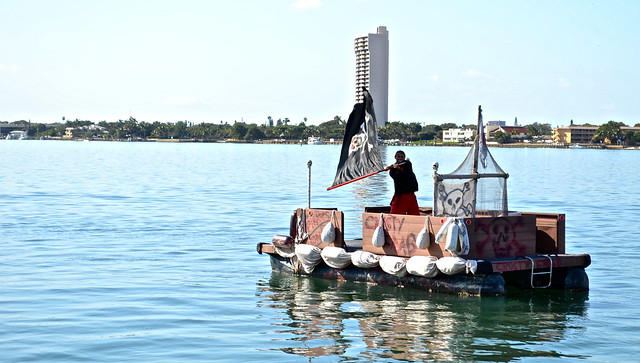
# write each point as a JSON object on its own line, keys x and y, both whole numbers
{"x": 69, "y": 132}
{"x": 457, "y": 135}
{"x": 516, "y": 132}
{"x": 580, "y": 134}
{"x": 573, "y": 134}
{"x": 95, "y": 130}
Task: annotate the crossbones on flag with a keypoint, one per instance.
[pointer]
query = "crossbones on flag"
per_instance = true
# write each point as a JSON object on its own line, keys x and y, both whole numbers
{"x": 360, "y": 155}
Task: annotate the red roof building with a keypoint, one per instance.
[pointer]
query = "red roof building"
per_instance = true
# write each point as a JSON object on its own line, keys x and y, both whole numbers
{"x": 516, "y": 132}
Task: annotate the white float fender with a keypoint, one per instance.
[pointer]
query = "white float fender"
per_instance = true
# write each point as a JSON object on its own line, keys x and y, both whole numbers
{"x": 453, "y": 235}
{"x": 423, "y": 240}
{"x": 328, "y": 234}
{"x": 377, "y": 239}
{"x": 443, "y": 230}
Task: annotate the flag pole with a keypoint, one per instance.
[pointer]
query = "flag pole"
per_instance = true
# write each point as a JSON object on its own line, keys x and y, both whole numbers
{"x": 352, "y": 180}
{"x": 309, "y": 185}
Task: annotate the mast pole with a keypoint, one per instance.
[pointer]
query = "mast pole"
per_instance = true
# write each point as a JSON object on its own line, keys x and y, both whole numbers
{"x": 309, "y": 185}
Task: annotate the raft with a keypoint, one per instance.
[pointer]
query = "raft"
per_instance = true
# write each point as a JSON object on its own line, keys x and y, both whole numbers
{"x": 525, "y": 251}
{"x": 469, "y": 242}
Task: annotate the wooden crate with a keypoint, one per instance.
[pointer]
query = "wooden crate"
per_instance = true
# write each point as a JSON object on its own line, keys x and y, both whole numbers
{"x": 550, "y": 237}
{"x": 316, "y": 220}
{"x": 489, "y": 237}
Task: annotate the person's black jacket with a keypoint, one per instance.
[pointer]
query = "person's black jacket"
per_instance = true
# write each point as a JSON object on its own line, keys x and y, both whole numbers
{"x": 404, "y": 180}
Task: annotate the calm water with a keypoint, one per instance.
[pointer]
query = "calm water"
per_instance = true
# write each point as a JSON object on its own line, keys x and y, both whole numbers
{"x": 145, "y": 252}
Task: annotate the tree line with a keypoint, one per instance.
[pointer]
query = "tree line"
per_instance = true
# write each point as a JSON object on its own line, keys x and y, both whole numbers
{"x": 283, "y": 129}
{"x": 612, "y": 133}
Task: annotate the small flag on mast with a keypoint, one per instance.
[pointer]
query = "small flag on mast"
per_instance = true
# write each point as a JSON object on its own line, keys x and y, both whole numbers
{"x": 482, "y": 139}
{"x": 360, "y": 156}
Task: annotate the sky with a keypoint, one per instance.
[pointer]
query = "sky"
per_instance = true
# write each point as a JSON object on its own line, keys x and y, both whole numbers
{"x": 544, "y": 61}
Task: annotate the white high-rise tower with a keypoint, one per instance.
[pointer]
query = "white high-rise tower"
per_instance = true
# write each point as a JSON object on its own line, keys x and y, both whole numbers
{"x": 372, "y": 70}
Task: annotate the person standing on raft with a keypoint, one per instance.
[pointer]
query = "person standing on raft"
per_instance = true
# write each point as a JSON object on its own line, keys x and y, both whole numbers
{"x": 405, "y": 183}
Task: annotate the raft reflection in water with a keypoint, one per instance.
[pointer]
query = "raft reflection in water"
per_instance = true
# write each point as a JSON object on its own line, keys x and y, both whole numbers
{"x": 331, "y": 318}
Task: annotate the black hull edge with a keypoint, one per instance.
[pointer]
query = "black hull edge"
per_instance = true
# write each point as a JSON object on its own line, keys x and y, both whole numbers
{"x": 571, "y": 279}
{"x": 472, "y": 285}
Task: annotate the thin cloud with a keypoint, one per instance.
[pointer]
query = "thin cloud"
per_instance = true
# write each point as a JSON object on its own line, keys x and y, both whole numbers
{"x": 182, "y": 101}
{"x": 306, "y": 4}
{"x": 434, "y": 80}
{"x": 564, "y": 83}
{"x": 608, "y": 106}
{"x": 9, "y": 67}
{"x": 476, "y": 74}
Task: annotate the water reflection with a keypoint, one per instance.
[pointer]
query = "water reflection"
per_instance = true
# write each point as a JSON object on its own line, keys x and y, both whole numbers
{"x": 372, "y": 190}
{"x": 360, "y": 321}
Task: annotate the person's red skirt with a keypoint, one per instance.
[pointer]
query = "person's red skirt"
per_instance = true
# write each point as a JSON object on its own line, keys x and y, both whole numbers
{"x": 405, "y": 204}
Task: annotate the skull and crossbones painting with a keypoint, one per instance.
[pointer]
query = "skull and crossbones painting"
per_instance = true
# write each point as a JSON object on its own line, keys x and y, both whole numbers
{"x": 455, "y": 202}
{"x": 501, "y": 234}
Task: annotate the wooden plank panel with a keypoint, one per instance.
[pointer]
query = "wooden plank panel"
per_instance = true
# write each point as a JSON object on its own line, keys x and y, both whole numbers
{"x": 508, "y": 265}
{"x": 317, "y": 219}
{"x": 501, "y": 236}
{"x": 489, "y": 237}
{"x": 550, "y": 235}
{"x": 265, "y": 248}
{"x": 400, "y": 235}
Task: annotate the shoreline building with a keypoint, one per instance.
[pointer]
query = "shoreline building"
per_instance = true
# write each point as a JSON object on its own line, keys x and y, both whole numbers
{"x": 516, "y": 132}
{"x": 372, "y": 70}
{"x": 573, "y": 134}
{"x": 458, "y": 135}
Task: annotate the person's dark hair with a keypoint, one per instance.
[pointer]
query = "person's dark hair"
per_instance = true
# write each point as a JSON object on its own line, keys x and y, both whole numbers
{"x": 400, "y": 152}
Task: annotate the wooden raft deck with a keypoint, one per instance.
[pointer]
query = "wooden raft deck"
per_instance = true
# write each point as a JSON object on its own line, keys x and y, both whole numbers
{"x": 521, "y": 249}
{"x": 489, "y": 265}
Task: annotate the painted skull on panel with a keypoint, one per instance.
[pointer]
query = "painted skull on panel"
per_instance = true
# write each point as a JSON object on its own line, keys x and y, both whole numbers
{"x": 502, "y": 236}
{"x": 453, "y": 201}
